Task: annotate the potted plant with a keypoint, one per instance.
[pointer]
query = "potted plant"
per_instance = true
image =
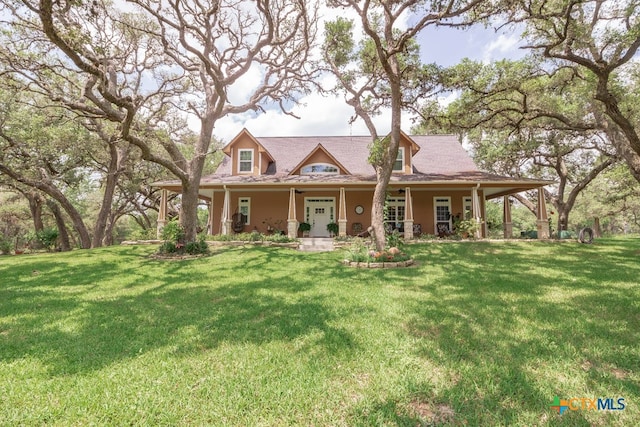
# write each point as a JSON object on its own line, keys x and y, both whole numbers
{"x": 333, "y": 229}
{"x": 467, "y": 227}
{"x": 304, "y": 228}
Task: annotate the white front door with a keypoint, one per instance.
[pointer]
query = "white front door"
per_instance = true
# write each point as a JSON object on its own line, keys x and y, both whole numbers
{"x": 442, "y": 215}
{"x": 319, "y": 213}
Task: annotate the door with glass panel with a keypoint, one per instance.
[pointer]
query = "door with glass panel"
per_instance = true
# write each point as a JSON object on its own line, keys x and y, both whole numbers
{"x": 442, "y": 215}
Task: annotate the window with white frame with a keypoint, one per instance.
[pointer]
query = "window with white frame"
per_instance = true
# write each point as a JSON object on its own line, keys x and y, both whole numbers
{"x": 467, "y": 206}
{"x": 244, "y": 207}
{"x": 399, "y": 163}
{"x": 395, "y": 210}
{"x": 245, "y": 160}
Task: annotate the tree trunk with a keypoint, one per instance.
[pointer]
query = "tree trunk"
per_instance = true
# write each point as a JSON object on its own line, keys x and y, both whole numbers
{"x": 76, "y": 218}
{"x": 35, "y": 206}
{"x": 108, "y": 233}
{"x": 63, "y": 235}
{"x": 189, "y": 208}
{"x": 563, "y": 218}
{"x": 597, "y": 230}
{"x": 107, "y": 198}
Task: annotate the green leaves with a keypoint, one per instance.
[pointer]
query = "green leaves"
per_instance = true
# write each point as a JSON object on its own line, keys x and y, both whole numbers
{"x": 338, "y": 45}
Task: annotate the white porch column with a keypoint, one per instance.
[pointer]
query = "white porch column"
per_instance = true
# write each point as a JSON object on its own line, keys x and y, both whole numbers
{"x": 543, "y": 220}
{"x": 475, "y": 206}
{"x": 210, "y": 221}
{"x": 162, "y": 213}
{"x": 508, "y": 225}
{"x": 226, "y": 213}
{"x": 408, "y": 214}
{"x": 292, "y": 221}
{"x": 342, "y": 214}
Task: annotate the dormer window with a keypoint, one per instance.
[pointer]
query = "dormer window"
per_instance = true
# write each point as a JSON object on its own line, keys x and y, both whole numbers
{"x": 320, "y": 169}
{"x": 398, "y": 166}
{"x": 245, "y": 160}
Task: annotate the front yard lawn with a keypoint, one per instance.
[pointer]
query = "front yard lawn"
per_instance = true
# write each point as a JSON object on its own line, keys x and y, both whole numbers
{"x": 475, "y": 334}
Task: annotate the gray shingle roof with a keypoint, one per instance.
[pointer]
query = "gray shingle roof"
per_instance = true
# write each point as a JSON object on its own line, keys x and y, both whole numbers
{"x": 438, "y": 154}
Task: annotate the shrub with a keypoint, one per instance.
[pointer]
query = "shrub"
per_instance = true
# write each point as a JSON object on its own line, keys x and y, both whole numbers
{"x": 333, "y": 228}
{"x": 48, "y": 237}
{"x": 168, "y": 248}
{"x": 360, "y": 251}
{"x": 5, "y": 245}
{"x": 172, "y": 232}
{"x": 278, "y": 238}
{"x": 195, "y": 248}
{"x": 357, "y": 251}
{"x": 394, "y": 240}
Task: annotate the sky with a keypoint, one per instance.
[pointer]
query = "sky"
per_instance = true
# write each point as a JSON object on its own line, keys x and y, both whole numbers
{"x": 323, "y": 115}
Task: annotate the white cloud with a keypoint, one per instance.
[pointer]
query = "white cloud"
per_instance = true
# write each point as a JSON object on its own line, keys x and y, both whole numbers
{"x": 319, "y": 115}
{"x": 502, "y": 47}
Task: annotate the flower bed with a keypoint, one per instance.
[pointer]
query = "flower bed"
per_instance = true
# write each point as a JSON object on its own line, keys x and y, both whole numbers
{"x": 388, "y": 264}
{"x": 359, "y": 254}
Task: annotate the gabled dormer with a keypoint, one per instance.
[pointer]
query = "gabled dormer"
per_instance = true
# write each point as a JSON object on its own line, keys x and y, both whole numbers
{"x": 247, "y": 155}
{"x": 406, "y": 150}
{"x": 319, "y": 161}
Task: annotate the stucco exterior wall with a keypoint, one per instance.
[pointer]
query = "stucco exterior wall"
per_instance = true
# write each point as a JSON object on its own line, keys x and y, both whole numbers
{"x": 270, "y": 208}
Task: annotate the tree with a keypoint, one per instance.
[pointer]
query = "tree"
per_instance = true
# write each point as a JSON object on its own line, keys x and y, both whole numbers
{"x": 170, "y": 65}
{"x": 598, "y": 39}
{"x": 38, "y": 151}
{"x": 524, "y": 122}
{"x": 611, "y": 202}
{"x": 384, "y": 71}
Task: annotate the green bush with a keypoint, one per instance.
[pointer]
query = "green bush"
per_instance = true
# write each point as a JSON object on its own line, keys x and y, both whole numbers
{"x": 168, "y": 248}
{"x": 48, "y": 237}
{"x": 5, "y": 245}
{"x": 394, "y": 240}
{"x": 172, "y": 232}
{"x": 279, "y": 238}
{"x": 195, "y": 248}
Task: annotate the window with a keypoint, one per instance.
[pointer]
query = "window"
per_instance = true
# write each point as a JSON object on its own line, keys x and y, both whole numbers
{"x": 399, "y": 164}
{"x": 244, "y": 207}
{"x": 245, "y": 161}
{"x": 319, "y": 168}
{"x": 442, "y": 215}
{"x": 395, "y": 210}
{"x": 467, "y": 206}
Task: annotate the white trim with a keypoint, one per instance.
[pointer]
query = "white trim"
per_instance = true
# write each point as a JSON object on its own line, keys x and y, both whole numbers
{"x": 467, "y": 202}
{"x": 396, "y": 203}
{"x": 245, "y": 202}
{"x": 329, "y": 202}
{"x": 240, "y": 160}
{"x": 440, "y": 201}
{"x": 401, "y": 152}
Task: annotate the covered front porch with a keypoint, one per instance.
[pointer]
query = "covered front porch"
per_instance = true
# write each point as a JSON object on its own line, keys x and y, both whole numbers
{"x": 412, "y": 208}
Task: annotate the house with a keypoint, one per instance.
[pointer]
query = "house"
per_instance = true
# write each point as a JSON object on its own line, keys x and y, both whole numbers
{"x": 279, "y": 182}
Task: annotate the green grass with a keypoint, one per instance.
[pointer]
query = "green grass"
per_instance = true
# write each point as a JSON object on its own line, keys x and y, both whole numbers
{"x": 477, "y": 334}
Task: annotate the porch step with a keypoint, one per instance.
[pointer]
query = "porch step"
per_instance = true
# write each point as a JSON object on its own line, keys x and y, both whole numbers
{"x": 316, "y": 244}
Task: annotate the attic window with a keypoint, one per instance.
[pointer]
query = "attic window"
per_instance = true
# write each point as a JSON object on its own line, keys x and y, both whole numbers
{"x": 245, "y": 160}
{"x": 319, "y": 168}
{"x": 399, "y": 163}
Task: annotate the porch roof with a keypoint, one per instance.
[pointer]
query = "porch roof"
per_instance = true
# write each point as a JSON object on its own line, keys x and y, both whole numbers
{"x": 493, "y": 185}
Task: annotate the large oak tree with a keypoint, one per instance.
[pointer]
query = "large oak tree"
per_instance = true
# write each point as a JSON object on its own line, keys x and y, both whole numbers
{"x": 165, "y": 68}
{"x": 384, "y": 71}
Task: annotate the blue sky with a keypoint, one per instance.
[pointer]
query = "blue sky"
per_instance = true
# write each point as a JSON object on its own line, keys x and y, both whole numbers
{"x": 330, "y": 116}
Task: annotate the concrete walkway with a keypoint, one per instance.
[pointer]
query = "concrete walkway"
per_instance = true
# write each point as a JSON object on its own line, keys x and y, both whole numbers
{"x": 316, "y": 244}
